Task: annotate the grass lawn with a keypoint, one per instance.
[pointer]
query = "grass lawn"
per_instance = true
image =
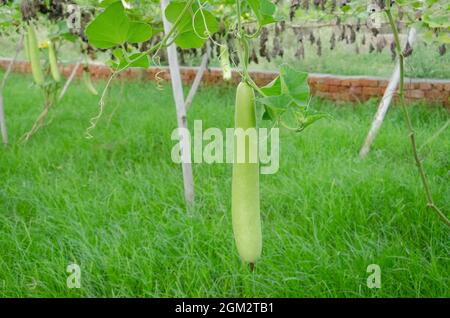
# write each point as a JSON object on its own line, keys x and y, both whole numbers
{"x": 114, "y": 204}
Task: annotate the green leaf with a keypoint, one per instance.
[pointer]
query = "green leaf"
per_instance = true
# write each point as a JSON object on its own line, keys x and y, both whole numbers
{"x": 346, "y": 7}
{"x": 69, "y": 37}
{"x": 266, "y": 115}
{"x": 288, "y": 95}
{"x": 279, "y": 102}
{"x": 273, "y": 88}
{"x": 307, "y": 119}
{"x": 62, "y": 32}
{"x": 195, "y": 26}
{"x": 436, "y": 20}
{"x": 109, "y": 28}
{"x": 428, "y": 36}
{"x": 295, "y": 83}
{"x": 272, "y": 113}
{"x": 113, "y": 27}
{"x": 431, "y": 2}
{"x": 264, "y": 11}
{"x": 138, "y": 60}
{"x": 118, "y": 53}
{"x": 443, "y": 37}
{"x": 139, "y": 32}
{"x": 107, "y": 3}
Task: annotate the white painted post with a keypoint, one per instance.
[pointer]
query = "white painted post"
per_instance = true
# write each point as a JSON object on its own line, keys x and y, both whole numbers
{"x": 69, "y": 80}
{"x": 3, "y": 121}
{"x": 177, "y": 89}
{"x": 2, "y": 87}
{"x": 385, "y": 101}
{"x": 198, "y": 77}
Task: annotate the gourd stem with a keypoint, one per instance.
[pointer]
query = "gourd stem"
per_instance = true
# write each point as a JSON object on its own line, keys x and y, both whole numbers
{"x": 412, "y": 135}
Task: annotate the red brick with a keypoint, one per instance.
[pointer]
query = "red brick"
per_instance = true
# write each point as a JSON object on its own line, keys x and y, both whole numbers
{"x": 312, "y": 84}
{"x": 355, "y": 83}
{"x": 355, "y": 90}
{"x": 410, "y": 85}
{"x": 333, "y": 89}
{"x": 334, "y": 81}
{"x": 415, "y": 94}
{"x": 368, "y": 82}
{"x": 323, "y": 87}
{"x": 330, "y": 81}
{"x": 322, "y": 80}
{"x": 438, "y": 86}
{"x": 343, "y": 89}
{"x": 434, "y": 94}
{"x": 371, "y": 91}
{"x": 425, "y": 86}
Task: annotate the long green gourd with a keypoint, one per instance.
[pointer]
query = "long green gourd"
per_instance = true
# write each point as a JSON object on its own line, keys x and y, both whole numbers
{"x": 25, "y": 46}
{"x": 33, "y": 55}
{"x": 245, "y": 184}
{"x": 225, "y": 62}
{"x": 53, "y": 61}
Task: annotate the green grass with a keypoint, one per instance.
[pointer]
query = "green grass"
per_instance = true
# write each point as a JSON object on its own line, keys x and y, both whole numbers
{"x": 114, "y": 204}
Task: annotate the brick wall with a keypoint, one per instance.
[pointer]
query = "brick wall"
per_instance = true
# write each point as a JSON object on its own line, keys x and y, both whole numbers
{"x": 334, "y": 87}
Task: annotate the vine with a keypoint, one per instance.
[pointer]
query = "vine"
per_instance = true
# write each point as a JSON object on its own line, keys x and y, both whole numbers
{"x": 412, "y": 135}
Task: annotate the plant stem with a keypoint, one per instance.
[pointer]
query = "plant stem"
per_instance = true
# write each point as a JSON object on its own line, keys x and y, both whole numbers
{"x": 49, "y": 101}
{"x": 412, "y": 135}
{"x": 241, "y": 36}
{"x": 163, "y": 43}
{"x": 238, "y": 8}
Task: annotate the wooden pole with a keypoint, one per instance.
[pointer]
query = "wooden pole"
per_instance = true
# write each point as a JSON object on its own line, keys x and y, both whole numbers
{"x": 2, "y": 87}
{"x": 198, "y": 77}
{"x": 177, "y": 89}
{"x": 385, "y": 102}
{"x": 69, "y": 80}
{"x": 2, "y": 120}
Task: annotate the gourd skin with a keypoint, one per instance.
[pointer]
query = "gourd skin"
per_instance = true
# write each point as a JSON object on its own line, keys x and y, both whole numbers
{"x": 33, "y": 54}
{"x": 245, "y": 184}
{"x": 53, "y": 62}
{"x": 225, "y": 62}
{"x": 25, "y": 46}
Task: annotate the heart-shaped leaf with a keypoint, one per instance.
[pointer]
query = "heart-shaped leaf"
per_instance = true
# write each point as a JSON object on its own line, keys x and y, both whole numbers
{"x": 195, "y": 25}
{"x": 113, "y": 27}
{"x": 139, "y": 32}
{"x": 278, "y": 102}
{"x": 295, "y": 84}
{"x": 264, "y": 11}
{"x": 273, "y": 88}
